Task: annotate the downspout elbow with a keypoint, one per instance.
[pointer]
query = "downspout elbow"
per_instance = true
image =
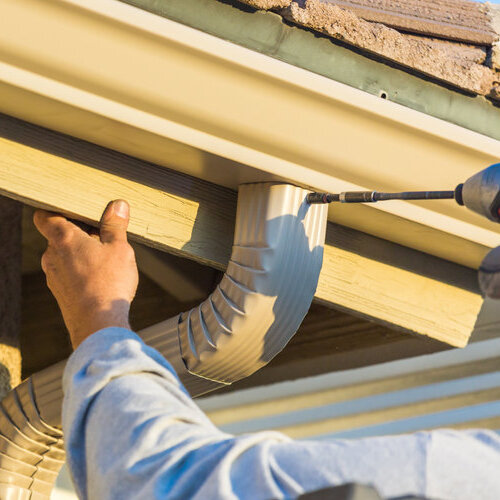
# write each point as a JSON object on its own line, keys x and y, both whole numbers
{"x": 267, "y": 289}
{"x": 252, "y": 314}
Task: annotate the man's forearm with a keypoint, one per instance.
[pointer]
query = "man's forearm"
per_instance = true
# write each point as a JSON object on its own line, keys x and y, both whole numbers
{"x": 133, "y": 432}
{"x": 122, "y": 401}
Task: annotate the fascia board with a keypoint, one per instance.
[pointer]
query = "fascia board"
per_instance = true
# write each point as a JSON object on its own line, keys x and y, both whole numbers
{"x": 147, "y": 86}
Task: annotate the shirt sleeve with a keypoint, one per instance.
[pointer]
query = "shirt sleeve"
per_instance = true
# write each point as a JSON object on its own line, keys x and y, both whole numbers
{"x": 132, "y": 431}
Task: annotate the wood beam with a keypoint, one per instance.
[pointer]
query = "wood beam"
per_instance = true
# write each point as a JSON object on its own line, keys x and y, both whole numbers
{"x": 184, "y": 279}
{"x": 376, "y": 279}
{"x": 345, "y": 423}
{"x": 272, "y": 402}
{"x": 10, "y": 294}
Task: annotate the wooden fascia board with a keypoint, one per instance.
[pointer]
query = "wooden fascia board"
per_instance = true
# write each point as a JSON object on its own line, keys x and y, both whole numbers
{"x": 126, "y": 79}
{"x": 374, "y": 278}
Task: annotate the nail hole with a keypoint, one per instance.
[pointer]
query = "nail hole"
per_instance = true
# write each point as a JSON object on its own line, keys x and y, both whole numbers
{"x": 383, "y": 94}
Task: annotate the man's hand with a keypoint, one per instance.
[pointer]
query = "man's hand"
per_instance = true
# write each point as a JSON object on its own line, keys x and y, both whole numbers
{"x": 93, "y": 277}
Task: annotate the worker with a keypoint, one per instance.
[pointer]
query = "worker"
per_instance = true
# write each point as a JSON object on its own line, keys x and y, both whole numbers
{"x": 133, "y": 432}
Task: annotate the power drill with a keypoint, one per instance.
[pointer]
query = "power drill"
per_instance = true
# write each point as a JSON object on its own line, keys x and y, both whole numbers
{"x": 480, "y": 193}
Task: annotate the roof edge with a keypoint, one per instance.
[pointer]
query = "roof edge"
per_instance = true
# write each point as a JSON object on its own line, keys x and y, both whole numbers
{"x": 265, "y": 32}
{"x": 242, "y": 124}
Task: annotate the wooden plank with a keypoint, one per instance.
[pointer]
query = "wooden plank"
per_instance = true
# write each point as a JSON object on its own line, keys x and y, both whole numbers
{"x": 10, "y": 294}
{"x": 371, "y": 277}
{"x": 170, "y": 211}
{"x": 398, "y": 286}
{"x": 483, "y": 423}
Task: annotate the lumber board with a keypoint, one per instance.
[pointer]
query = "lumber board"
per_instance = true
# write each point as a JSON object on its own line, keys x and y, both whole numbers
{"x": 362, "y": 274}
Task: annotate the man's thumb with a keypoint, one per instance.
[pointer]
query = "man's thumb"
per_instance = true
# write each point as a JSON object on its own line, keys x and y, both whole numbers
{"x": 114, "y": 222}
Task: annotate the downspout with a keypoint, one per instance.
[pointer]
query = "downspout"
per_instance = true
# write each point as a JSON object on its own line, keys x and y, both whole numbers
{"x": 256, "y": 309}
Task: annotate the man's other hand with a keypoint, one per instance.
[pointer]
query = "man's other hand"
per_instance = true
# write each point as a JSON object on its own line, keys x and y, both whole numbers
{"x": 93, "y": 277}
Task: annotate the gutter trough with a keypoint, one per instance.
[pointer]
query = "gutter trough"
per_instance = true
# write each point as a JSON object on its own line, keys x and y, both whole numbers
{"x": 252, "y": 118}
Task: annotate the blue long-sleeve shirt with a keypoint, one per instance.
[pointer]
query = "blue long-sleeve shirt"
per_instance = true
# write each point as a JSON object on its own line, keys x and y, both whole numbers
{"x": 133, "y": 432}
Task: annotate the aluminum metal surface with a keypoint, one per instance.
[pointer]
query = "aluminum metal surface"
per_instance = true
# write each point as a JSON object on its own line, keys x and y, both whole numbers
{"x": 272, "y": 275}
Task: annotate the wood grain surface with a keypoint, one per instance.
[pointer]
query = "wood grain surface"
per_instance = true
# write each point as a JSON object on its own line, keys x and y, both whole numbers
{"x": 365, "y": 275}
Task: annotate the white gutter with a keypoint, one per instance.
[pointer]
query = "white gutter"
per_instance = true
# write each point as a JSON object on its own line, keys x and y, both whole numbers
{"x": 129, "y": 80}
{"x": 252, "y": 314}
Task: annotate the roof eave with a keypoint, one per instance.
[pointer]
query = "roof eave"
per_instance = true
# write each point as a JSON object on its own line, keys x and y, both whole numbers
{"x": 121, "y": 77}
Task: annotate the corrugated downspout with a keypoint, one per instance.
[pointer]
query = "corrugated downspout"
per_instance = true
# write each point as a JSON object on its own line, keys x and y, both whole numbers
{"x": 252, "y": 314}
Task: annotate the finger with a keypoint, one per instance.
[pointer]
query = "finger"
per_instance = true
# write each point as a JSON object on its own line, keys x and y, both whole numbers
{"x": 52, "y": 226}
{"x": 114, "y": 222}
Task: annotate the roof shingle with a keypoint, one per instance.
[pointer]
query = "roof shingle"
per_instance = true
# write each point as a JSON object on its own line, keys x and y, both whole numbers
{"x": 461, "y": 20}
{"x": 464, "y": 66}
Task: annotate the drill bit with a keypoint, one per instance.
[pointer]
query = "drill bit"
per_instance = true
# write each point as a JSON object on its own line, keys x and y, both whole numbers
{"x": 374, "y": 196}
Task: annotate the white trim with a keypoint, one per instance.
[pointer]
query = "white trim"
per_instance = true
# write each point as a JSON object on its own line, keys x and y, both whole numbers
{"x": 473, "y": 352}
